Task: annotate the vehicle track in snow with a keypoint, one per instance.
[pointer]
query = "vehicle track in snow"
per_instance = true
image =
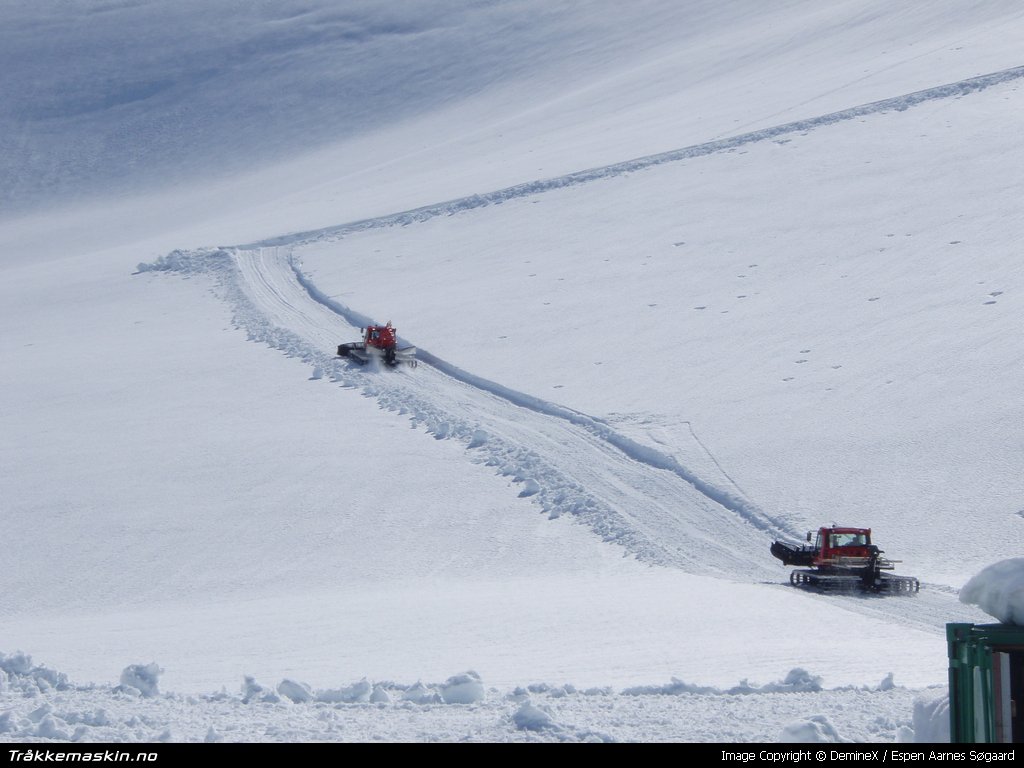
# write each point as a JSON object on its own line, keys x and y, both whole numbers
{"x": 570, "y": 463}
{"x": 539, "y": 186}
{"x": 567, "y": 462}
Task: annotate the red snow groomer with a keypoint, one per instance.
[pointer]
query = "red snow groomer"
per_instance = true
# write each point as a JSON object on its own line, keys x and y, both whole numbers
{"x": 380, "y": 342}
{"x": 843, "y": 559}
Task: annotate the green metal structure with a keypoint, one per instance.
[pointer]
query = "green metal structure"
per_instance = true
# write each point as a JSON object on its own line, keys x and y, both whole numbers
{"x": 986, "y": 683}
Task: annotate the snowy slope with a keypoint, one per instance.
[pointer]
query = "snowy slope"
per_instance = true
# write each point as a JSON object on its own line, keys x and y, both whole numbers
{"x": 687, "y": 277}
{"x": 817, "y": 323}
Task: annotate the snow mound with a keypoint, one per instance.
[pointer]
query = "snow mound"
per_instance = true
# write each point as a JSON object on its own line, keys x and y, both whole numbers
{"x": 797, "y": 680}
{"x": 352, "y": 694}
{"x": 530, "y": 717}
{"x": 18, "y": 673}
{"x": 998, "y": 590}
{"x": 253, "y": 691}
{"x": 297, "y": 692}
{"x": 814, "y": 730}
{"x": 143, "y": 678}
{"x": 418, "y": 693}
{"x": 463, "y": 689}
{"x": 931, "y": 718}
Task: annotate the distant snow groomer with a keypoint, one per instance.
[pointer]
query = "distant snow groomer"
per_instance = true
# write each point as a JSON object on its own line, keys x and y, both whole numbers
{"x": 380, "y": 342}
{"x": 843, "y": 559}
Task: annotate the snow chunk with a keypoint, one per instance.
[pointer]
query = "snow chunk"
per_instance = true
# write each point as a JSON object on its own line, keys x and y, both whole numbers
{"x": 931, "y": 719}
{"x": 463, "y": 689}
{"x": 353, "y": 694}
{"x": 530, "y": 488}
{"x": 50, "y": 729}
{"x": 814, "y": 730}
{"x": 530, "y": 717}
{"x": 480, "y": 438}
{"x": 16, "y": 663}
{"x": 142, "y": 677}
{"x": 18, "y": 673}
{"x": 297, "y": 692}
{"x": 798, "y": 680}
{"x": 998, "y": 590}
{"x": 421, "y": 694}
{"x": 188, "y": 262}
{"x": 37, "y": 715}
{"x": 253, "y": 691}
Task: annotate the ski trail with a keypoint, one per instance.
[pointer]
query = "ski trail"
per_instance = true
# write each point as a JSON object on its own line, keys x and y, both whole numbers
{"x": 448, "y": 207}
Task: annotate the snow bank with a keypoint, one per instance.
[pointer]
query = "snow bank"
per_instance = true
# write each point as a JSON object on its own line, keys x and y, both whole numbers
{"x": 352, "y": 694}
{"x": 797, "y": 680}
{"x": 998, "y": 590}
{"x": 33, "y": 707}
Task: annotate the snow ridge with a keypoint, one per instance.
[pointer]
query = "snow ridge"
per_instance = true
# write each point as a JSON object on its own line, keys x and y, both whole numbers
{"x": 462, "y": 708}
{"x": 470, "y": 202}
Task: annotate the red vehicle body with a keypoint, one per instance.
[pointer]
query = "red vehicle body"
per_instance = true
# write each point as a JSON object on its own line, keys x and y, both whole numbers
{"x": 380, "y": 336}
{"x": 842, "y": 547}
{"x": 842, "y": 558}
{"x": 380, "y": 342}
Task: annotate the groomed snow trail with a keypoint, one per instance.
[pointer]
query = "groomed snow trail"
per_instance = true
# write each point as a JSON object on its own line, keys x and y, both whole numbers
{"x": 565, "y": 461}
{"x": 569, "y": 462}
